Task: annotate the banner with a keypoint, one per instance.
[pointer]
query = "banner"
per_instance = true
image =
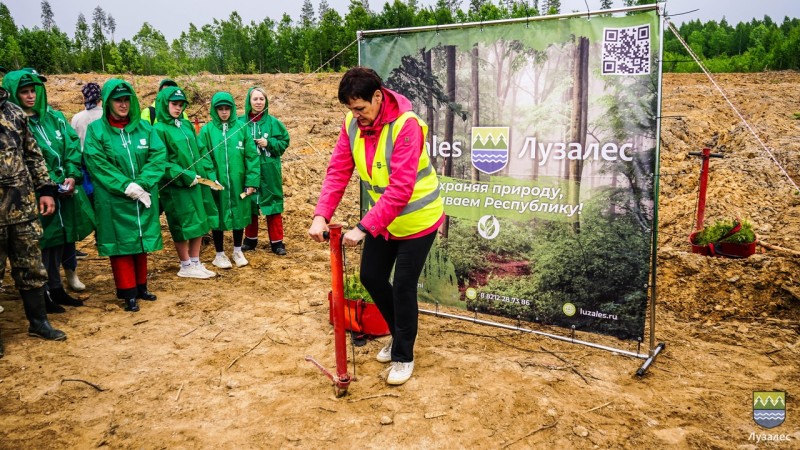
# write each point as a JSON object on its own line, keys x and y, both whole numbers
{"x": 544, "y": 137}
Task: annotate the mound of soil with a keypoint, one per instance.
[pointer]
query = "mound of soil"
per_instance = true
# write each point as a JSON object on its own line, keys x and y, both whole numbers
{"x": 221, "y": 362}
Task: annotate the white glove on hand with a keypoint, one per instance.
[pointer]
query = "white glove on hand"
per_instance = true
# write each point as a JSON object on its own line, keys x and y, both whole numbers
{"x": 196, "y": 177}
{"x": 134, "y": 191}
{"x": 145, "y": 199}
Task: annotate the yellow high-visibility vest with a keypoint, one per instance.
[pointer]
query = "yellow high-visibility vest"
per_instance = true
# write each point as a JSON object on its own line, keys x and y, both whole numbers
{"x": 425, "y": 206}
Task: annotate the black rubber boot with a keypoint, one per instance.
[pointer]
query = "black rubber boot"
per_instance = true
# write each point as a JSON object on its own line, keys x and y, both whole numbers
{"x": 33, "y": 301}
{"x": 50, "y": 306}
{"x": 60, "y": 296}
{"x": 144, "y": 294}
{"x": 249, "y": 244}
{"x": 278, "y": 248}
{"x": 131, "y": 305}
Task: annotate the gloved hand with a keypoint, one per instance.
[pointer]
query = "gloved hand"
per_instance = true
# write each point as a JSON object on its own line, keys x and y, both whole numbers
{"x": 134, "y": 191}
{"x": 221, "y": 187}
{"x": 145, "y": 199}
{"x": 196, "y": 177}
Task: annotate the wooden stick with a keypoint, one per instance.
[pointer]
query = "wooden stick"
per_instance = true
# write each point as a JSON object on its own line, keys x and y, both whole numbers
{"x": 83, "y": 381}
{"x": 599, "y": 407}
{"x": 543, "y": 427}
{"x": 567, "y": 362}
{"x": 251, "y": 349}
{"x": 179, "y": 393}
{"x": 777, "y": 248}
{"x": 389, "y": 394}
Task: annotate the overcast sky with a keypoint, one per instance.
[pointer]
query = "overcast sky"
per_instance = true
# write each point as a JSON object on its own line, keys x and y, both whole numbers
{"x": 172, "y": 17}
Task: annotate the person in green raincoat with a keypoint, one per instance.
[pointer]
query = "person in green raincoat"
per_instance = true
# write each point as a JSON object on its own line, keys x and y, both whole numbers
{"x": 226, "y": 142}
{"x": 188, "y": 204}
{"x": 125, "y": 160}
{"x": 272, "y": 139}
{"x": 74, "y": 218}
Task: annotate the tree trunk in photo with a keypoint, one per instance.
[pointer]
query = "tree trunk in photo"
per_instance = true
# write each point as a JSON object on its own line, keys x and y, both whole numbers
{"x": 449, "y": 117}
{"x": 579, "y": 126}
{"x": 476, "y": 105}
{"x": 429, "y": 110}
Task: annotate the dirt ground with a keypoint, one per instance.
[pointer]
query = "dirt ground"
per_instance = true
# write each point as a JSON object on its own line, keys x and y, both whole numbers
{"x": 220, "y": 363}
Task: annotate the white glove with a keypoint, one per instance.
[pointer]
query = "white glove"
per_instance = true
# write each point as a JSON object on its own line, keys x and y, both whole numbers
{"x": 134, "y": 191}
{"x": 145, "y": 199}
{"x": 196, "y": 177}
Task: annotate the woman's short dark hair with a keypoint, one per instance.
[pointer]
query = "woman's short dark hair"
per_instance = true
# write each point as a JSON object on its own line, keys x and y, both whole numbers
{"x": 358, "y": 83}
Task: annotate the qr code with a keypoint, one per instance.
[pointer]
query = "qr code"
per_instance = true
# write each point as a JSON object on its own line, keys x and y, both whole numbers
{"x": 626, "y": 51}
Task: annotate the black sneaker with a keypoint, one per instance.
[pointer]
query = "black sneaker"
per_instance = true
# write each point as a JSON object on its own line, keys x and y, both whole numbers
{"x": 131, "y": 305}
{"x": 80, "y": 255}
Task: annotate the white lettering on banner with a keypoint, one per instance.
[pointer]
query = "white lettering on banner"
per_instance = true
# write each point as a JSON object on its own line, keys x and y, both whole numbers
{"x": 443, "y": 149}
{"x": 505, "y": 299}
{"x": 532, "y": 206}
{"x": 558, "y": 151}
{"x": 458, "y": 201}
{"x": 598, "y": 314}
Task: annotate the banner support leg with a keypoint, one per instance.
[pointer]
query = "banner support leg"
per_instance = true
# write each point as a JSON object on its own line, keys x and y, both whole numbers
{"x": 651, "y": 359}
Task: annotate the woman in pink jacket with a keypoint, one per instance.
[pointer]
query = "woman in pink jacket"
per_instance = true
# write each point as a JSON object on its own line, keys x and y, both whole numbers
{"x": 384, "y": 141}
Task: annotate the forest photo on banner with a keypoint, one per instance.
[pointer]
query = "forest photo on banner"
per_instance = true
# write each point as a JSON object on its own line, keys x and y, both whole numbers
{"x": 544, "y": 137}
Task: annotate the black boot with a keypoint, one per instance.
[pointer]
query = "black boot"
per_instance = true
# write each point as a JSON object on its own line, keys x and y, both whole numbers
{"x": 249, "y": 244}
{"x": 144, "y": 294}
{"x": 60, "y": 296}
{"x": 33, "y": 301}
{"x": 278, "y": 248}
{"x": 50, "y": 306}
{"x": 131, "y": 305}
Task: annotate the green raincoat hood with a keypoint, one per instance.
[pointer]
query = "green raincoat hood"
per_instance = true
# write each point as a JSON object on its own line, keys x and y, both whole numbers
{"x": 218, "y": 98}
{"x": 135, "y": 110}
{"x": 11, "y": 82}
{"x": 248, "y": 108}
{"x": 162, "y": 105}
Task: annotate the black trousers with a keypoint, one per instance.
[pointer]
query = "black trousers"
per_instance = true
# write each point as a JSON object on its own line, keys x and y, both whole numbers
{"x": 396, "y": 299}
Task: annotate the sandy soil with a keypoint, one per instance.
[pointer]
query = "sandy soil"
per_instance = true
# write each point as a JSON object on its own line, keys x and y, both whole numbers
{"x": 220, "y": 363}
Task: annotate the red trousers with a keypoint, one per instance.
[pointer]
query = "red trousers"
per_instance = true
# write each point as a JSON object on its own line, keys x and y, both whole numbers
{"x": 274, "y": 228}
{"x": 130, "y": 272}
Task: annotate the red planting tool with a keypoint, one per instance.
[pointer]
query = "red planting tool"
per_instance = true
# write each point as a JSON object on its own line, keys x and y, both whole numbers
{"x": 341, "y": 381}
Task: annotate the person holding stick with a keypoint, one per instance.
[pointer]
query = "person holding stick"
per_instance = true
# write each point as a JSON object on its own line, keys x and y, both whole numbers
{"x": 226, "y": 142}
{"x": 384, "y": 140}
{"x": 186, "y": 196}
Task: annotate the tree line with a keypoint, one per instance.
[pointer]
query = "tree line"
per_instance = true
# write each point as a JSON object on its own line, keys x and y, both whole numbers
{"x": 322, "y": 38}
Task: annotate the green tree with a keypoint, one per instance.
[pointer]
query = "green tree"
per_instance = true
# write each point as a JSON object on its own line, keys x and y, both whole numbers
{"x": 48, "y": 18}
{"x": 98, "y": 38}
{"x": 10, "y": 52}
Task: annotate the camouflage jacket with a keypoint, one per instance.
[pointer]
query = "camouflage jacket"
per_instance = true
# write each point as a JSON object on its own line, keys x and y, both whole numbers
{"x": 22, "y": 168}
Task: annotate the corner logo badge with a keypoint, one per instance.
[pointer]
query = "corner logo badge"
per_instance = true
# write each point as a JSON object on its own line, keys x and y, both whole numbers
{"x": 490, "y": 148}
{"x": 769, "y": 408}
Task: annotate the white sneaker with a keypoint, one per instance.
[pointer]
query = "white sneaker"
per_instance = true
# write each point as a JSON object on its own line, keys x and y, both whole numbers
{"x": 222, "y": 261}
{"x": 385, "y": 355}
{"x": 400, "y": 372}
{"x": 202, "y": 268}
{"x": 192, "y": 272}
{"x": 239, "y": 259}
